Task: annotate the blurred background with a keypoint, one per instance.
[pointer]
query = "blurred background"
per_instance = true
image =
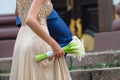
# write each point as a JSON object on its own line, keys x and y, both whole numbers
{"x": 97, "y": 22}
{"x": 7, "y": 6}
{"x": 88, "y": 19}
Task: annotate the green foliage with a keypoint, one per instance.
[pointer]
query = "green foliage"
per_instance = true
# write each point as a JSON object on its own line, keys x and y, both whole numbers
{"x": 3, "y": 71}
{"x": 70, "y": 66}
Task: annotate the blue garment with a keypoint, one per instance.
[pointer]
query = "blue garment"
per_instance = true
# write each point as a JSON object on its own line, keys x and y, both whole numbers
{"x": 57, "y": 28}
{"x": 18, "y": 22}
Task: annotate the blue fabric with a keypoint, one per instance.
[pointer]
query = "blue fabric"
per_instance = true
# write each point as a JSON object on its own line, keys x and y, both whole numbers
{"x": 18, "y": 22}
{"x": 58, "y": 29}
{"x": 53, "y": 15}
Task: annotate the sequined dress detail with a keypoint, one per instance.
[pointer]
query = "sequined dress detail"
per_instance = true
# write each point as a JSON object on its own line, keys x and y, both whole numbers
{"x": 28, "y": 44}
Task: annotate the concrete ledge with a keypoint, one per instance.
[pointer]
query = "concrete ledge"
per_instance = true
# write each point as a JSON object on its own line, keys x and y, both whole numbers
{"x": 6, "y": 48}
{"x": 8, "y": 33}
{"x": 107, "y": 40}
{"x": 96, "y": 74}
{"x": 5, "y": 64}
{"x": 7, "y": 19}
{"x": 4, "y": 76}
{"x": 88, "y": 74}
{"x": 95, "y": 58}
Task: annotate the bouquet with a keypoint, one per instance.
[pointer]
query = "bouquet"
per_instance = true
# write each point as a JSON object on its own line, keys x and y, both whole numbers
{"x": 74, "y": 48}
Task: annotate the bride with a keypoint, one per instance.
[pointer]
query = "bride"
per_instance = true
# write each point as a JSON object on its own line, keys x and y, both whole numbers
{"x": 33, "y": 38}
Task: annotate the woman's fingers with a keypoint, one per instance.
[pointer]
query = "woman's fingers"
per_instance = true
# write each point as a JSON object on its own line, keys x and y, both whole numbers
{"x": 59, "y": 54}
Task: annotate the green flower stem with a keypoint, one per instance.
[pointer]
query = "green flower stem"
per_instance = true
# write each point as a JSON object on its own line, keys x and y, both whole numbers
{"x": 41, "y": 56}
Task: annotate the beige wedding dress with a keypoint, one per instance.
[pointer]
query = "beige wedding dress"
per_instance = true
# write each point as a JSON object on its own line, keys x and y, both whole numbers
{"x": 28, "y": 44}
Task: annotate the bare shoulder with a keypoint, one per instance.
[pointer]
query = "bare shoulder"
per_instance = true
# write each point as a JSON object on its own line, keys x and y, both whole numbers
{"x": 35, "y": 7}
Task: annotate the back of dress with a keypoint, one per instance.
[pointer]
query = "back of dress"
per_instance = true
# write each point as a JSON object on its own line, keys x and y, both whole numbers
{"x": 24, "y": 5}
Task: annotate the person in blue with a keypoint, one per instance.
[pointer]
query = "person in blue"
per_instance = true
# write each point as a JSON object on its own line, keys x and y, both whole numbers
{"x": 57, "y": 28}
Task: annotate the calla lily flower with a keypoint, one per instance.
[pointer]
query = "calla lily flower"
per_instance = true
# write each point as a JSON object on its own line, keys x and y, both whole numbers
{"x": 75, "y": 48}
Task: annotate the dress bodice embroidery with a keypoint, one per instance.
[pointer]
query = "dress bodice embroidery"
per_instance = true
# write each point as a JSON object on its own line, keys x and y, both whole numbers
{"x": 23, "y": 10}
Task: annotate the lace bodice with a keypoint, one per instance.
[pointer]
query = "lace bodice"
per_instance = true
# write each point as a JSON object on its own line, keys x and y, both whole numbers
{"x": 23, "y": 10}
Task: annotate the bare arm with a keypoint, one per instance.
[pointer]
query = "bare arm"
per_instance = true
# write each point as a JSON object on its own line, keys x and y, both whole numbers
{"x": 16, "y": 10}
{"x": 33, "y": 23}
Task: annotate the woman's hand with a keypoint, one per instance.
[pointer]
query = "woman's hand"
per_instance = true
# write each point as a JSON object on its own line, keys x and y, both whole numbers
{"x": 58, "y": 52}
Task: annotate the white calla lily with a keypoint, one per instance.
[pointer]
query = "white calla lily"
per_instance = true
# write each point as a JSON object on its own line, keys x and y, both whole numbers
{"x": 74, "y": 48}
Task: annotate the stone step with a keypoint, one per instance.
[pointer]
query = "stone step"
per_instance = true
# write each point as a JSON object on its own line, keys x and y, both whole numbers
{"x": 95, "y": 58}
{"x": 96, "y": 74}
{"x": 88, "y": 74}
{"x": 5, "y": 65}
{"x": 89, "y": 59}
{"x": 4, "y": 76}
{"x": 107, "y": 40}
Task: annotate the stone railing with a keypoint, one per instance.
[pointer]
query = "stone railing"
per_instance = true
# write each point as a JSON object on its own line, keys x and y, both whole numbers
{"x": 8, "y": 33}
